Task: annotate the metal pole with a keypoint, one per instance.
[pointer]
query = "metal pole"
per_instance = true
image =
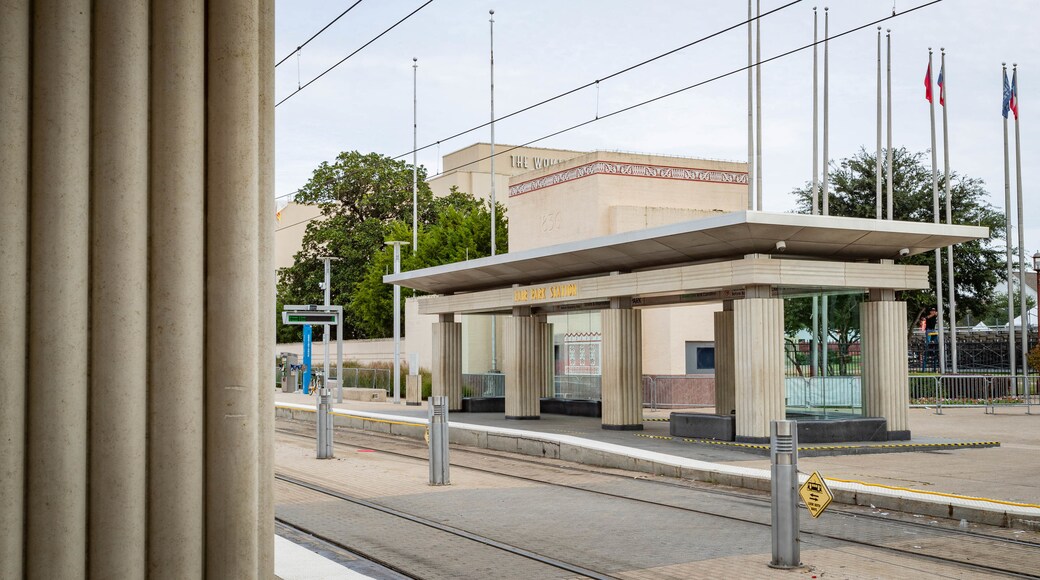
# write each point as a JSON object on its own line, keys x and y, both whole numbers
{"x": 750, "y": 113}
{"x": 325, "y": 327}
{"x": 1007, "y": 236}
{"x": 494, "y": 211}
{"x": 888, "y": 108}
{"x": 815, "y": 129}
{"x": 438, "y": 426}
{"x": 339, "y": 358}
{"x": 397, "y": 322}
{"x": 941, "y": 339}
{"x": 1021, "y": 247}
{"x": 877, "y": 162}
{"x": 950, "y": 286}
{"x": 826, "y": 115}
{"x": 415, "y": 153}
{"x": 324, "y": 404}
{"x": 758, "y": 105}
{"x": 783, "y": 456}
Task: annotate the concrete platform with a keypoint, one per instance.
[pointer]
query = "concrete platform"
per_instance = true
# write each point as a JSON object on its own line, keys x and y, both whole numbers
{"x": 950, "y": 468}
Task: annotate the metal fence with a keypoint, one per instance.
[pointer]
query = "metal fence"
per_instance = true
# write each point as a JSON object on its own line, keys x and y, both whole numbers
{"x": 583, "y": 387}
{"x": 359, "y": 378}
{"x": 988, "y": 391}
{"x": 484, "y": 385}
{"x": 843, "y": 393}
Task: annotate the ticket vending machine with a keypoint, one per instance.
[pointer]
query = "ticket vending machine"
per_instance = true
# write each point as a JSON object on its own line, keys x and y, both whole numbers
{"x": 290, "y": 372}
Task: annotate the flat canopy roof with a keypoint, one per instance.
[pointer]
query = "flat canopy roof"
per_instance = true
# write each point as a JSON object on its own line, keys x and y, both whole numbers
{"x": 731, "y": 235}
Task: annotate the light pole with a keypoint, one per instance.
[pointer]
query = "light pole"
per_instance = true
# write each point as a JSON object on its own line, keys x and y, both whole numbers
{"x": 1036, "y": 270}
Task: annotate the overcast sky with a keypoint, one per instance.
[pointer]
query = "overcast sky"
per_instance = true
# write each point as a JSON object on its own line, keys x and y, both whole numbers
{"x": 545, "y": 47}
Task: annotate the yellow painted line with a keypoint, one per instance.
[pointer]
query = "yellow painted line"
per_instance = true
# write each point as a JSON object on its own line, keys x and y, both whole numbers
{"x": 645, "y": 419}
{"x": 936, "y": 493}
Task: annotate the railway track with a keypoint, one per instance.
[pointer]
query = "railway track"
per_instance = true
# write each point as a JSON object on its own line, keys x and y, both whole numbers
{"x": 970, "y": 550}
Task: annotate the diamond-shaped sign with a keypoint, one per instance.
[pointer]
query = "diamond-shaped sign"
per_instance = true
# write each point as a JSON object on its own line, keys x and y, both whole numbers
{"x": 815, "y": 493}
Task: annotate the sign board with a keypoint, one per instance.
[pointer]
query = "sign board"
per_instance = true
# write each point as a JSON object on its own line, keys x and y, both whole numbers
{"x": 309, "y": 317}
{"x": 816, "y": 495}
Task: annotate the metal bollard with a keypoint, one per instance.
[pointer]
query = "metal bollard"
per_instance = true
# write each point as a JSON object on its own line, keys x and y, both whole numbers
{"x": 438, "y": 426}
{"x": 324, "y": 424}
{"x": 783, "y": 466}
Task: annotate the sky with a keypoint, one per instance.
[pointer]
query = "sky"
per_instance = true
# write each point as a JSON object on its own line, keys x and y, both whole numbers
{"x": 546, "y": 47}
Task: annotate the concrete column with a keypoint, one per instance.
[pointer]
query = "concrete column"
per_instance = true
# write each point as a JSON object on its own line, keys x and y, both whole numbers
{"x": 447, "y": 361}
{"x": 14, "y": 238}
{"x": 725, "y": 387}
{"x": 758, "y": 351}
{"x": 885, "y": 382}
{"x": 176, "y": 453}
{"x": 59, "y": 286}
{"x": 524, "y": 366}
{"x": 119, "y": 290}
{"x": 549, "y": 366}
{"x": 622, "y": 364}
{"x": 267, "y": 314}
{"x": 232, "y": 288}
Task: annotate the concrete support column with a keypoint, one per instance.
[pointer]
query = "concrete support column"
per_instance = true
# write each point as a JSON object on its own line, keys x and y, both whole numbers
{"x": 447, "y": 361}
{"x": 725, "y": 387}
{"x": 549, "y": 366}
{"x": 59, "y": 287}
{"x": 622, "y": 364}
{"x": 14, "y": 240}
{"x": 525, "y": 367}
{"x": 119, "y": 290}
{"x": 176, "y": 398}
{"x": 885, "y": 382}
{"x": 758, "y": 351}
{"x": 232, "y": 288}
{"x": 266, "y": 312}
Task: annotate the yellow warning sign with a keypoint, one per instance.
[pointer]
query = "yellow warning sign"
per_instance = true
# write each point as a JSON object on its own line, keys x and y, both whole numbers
{"x": 815, "y": 493}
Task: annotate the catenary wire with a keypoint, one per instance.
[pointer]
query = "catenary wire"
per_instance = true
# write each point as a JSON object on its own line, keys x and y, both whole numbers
{"x": 306, "y": 42}
{"x": 589, "y": 84}
{"x": 362, "y": 47}
{"x": 669, "y": 94}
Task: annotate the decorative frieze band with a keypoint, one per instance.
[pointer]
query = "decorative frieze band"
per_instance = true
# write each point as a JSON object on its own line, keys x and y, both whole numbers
{"x": 631, "y": 170}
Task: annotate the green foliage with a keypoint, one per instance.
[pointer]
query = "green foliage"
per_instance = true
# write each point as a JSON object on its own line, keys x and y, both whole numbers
{"x": 461, "y": 230}
{"x": 360, "y": 197}
{"x": 997, "y": 314}
{"x": 978, "y": 264}
{"x": 842, "y": 322}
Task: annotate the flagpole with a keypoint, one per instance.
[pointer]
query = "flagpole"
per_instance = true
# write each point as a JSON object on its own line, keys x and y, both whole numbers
{"x": 415, "y": 151}
{"x": 815, "y": 357}
{"x": 824, "y": 310}
{"x": 815, "y": 122}
{"x": 1022, "y": 311}
{"x": 950, "y": 285}
{"x": 877, "y": 161}
{"x": 1008, "y": 232}
{"x": 935, "y": 215}
{"x": 750, "y": 112}
{"x": 888, "y": 107}
{"x": 758, "y": 104}
{"x": 494, "y": 209}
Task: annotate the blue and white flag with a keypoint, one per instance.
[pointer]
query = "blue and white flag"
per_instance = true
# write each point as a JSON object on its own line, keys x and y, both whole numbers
{"x": 1007, "y": 96}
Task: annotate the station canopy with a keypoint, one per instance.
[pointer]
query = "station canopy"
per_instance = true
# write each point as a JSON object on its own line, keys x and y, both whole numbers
{"x": 727, "y": 236}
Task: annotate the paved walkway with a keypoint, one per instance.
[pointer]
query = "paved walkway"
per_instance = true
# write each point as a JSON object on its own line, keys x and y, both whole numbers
{"x": 1010, "y": 472}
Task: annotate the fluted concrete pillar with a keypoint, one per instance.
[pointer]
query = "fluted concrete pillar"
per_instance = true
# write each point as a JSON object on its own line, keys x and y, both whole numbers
{"x": 622, "y": 364}
{"x": 725, "y": 387}
{"x": 885, "y": 382}
{"x": 758, "y": 351}
{"x": 267, "y": 282}
{"x": 119, "y": 290}
{"x": 59, "y": 287}
{"x": 524, "y": 366}
{"x": 14, "y": 238}
{"x": 176, "y": 452}
{"x": 232, "y": 276}
{"x": 447, "y": 361}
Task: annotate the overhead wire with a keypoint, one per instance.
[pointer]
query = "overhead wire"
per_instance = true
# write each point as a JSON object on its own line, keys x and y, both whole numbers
{"x": 586, "y": 85}
{"x": 306, "y": 42}
{"x": 667, "y": 95}
{"x": 362, "y": 47}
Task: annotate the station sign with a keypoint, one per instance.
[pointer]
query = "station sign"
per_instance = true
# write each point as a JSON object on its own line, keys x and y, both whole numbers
{"x": 816, "y": 495}
{"x": 309, "y": 315}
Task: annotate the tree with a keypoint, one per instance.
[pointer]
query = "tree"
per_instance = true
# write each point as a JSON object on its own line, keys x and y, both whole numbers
{"x": 842, "y": 324}
{"x": 997, "y": 315}
{"x": 978, "y": 264}
{"x": 360, "y": 196}
{"x": 460, "y": 230}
